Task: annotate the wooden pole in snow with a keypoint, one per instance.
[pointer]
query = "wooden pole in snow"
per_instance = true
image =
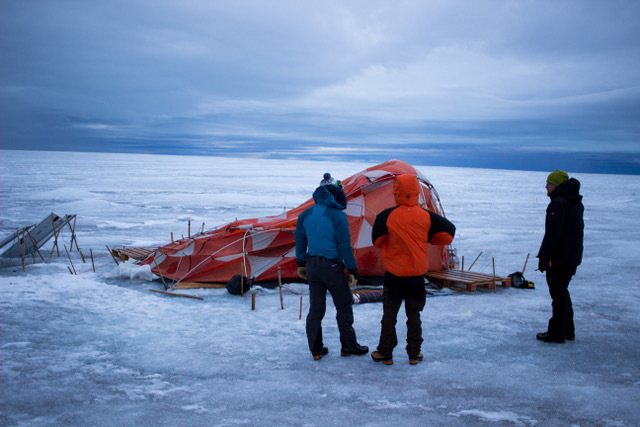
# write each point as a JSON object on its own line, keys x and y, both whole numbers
{"x": 22, "y": 250}
{"x": 55, "y": 234}
{"x": 92, "y": 262}
{"x": 493, "y": 261}
{"x": 160, "y": 273}
{"x": 69, "y": 256}
{"x": 253, "y": 302}
{"x": 112, "y": 256}
{"x": 35, "y": 247}
{"x": 525, "y": 263}
{"x": 280, "y": 286}
{"x": 300, "y": 316}
{"x": 474, "y": 261}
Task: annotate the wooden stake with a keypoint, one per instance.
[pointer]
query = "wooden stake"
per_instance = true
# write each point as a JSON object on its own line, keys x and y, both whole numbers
{"x": 35, "y": 247}
{"x": 22, "y": 250}
{"x": 175, "y": 294}
{"x": 160, "y": 274}
{"x": 70, "y": 270}
{"x": 493, "y": 262}
{"x": 189, "y": 229}
{"x": 525, "y": 263}
{"x": 253, "y": 302}
{"x": 69, "y": 256}
{"x": 92, "y": 263}
{"x": 462, "y": 265}
{"x": 474, "y": 261}
{"x": 300, "y": 316}
{"x": 172, "y": 237}
{"x": 72, "y": 231}
{"x": 280, "y": 286}
{"x": 202, "y": 228}
{"x": 55, "y": 234}
{"x": 112, "y": 256}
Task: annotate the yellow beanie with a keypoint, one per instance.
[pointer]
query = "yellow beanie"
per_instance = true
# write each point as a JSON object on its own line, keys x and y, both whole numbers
{"x": 557, "y": 177}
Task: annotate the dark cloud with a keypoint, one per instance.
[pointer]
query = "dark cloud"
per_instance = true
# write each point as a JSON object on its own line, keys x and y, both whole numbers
{"x": 468, "y": 83}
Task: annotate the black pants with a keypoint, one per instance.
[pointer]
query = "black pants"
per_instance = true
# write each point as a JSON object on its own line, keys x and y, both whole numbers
{"x": 561, "y": 323}
{"x": 328, "y": 275}
{"x": 397, "y": 289}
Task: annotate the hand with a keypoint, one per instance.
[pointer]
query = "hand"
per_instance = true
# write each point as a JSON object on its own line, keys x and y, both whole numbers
{"x": 302, "y": 272}
{"x": 353, "y": 278}
{"x": 543, "y": 265}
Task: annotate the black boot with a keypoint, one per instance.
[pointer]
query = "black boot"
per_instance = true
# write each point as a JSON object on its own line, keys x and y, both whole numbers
{"x": 360, "y": 350}
{"x": 547, "y": 337}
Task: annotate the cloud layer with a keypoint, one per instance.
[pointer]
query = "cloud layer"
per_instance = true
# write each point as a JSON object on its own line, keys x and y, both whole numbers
{"x": 334, "y": 79}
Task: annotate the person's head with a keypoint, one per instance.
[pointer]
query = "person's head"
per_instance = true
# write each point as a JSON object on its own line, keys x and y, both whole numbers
{"x": 406, "y": 190}
{"x": 327, "y": 179}
{"x": 555, "y": 179}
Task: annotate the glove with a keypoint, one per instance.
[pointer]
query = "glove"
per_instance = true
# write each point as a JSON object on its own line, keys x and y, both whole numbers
{"x": 302, "y": 272}
{"x": 353, "y": 278}
{"x": 543, "y": 265}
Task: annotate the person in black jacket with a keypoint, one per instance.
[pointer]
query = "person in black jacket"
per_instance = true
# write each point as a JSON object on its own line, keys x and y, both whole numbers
{"x": 561, "y": 252}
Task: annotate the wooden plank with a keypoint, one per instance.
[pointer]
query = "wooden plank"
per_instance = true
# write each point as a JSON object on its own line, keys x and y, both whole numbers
{"x": 174, "y": 294}
{"x": 195, "y": 285}
{"x": 469, "y": 279}
{"x": 135, "y": 253}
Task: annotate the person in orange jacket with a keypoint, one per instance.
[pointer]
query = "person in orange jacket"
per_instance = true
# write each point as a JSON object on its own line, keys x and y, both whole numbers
{"x": 403, "y": 232}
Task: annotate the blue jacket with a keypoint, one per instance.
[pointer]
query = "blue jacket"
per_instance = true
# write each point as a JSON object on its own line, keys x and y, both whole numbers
{"x": 323, "y": 229}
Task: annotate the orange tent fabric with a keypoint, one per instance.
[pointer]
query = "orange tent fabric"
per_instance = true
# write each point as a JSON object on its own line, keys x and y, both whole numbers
{"x": 262, "y": 246}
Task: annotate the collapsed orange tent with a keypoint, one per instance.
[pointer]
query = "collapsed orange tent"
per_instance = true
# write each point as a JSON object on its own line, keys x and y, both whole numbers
{"x": 259, "y": 247}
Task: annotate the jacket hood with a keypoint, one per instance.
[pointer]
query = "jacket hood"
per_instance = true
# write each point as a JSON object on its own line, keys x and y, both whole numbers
{"x": 330, "y": 195}
{"x": 406, "y": 190}
{"x": 569, "y": 189}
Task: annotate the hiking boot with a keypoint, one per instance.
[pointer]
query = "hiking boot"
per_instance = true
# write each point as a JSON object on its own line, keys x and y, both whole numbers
{"x": 321, "y": 354}
{"x": 547, "y": 337}
{"x": 360, "y": 350}
{"x": 377, "y": 357}
{"x": 414, "y": 360}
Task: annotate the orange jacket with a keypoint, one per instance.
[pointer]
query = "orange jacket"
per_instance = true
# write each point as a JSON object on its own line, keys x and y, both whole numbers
{"x": 402, "y": 232}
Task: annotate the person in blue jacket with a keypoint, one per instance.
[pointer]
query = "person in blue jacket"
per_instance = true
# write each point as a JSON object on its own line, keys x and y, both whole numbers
{"x": 323, "y": 249}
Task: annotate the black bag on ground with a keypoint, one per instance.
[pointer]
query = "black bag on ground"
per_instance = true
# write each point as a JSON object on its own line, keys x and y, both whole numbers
{"x": 518, "y": 281}
{"x": 233, "y": 286}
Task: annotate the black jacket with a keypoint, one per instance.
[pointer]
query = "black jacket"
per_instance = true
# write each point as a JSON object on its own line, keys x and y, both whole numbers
{"x": 564, "y": 226}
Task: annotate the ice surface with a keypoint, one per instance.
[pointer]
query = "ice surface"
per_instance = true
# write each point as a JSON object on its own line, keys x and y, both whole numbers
{"x": 86, "y": 348}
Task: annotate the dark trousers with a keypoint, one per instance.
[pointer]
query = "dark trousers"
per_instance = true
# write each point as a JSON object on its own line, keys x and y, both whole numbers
{"x": 328, "y": 275}
{"x": 397, "y": 289}
{"x": 561, "y": 323}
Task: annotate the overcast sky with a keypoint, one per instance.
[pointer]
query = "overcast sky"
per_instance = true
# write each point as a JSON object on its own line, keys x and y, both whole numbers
{"x": 509, "y": 84}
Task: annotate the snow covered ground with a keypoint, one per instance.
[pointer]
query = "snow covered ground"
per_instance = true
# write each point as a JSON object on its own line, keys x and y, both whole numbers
{"x": 100, "y": 349}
